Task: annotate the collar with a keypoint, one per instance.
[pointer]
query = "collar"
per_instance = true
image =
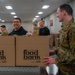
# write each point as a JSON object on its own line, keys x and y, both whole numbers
{"x": 68, "y": 25}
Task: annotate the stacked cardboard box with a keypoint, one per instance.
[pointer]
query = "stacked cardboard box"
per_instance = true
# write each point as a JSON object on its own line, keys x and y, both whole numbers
{"x": 54, "y": 39}
{"x": 23, "y": 50}
{"x": 30, "y": 51}
{"x": 7, "y": 51}
{"x": 56, "y": 42}
{"x": 51, "y": 40}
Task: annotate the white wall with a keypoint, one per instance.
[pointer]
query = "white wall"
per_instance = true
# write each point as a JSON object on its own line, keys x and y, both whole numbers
{"x": 56, "y": 25}
{"x": 47, "y": 22}
{"x": 28, "y": 26}
{"x": 73, "y": 6}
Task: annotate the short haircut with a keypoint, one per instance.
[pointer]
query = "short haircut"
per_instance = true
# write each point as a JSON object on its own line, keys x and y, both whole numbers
{"x": 17, "y": 19}
{"x": 67, "y": 8}
{"x": 3, "y": 26}
{"x": 42, "y": 21}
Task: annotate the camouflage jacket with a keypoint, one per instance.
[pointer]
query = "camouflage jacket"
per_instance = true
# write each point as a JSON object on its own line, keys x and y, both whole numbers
{"x": 66, "y": 50}
{"x": 5, "y": 33}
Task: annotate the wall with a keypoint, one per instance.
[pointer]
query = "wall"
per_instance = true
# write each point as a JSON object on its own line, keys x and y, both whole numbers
{"x": 72, "y": 3}
{"x": 56, "y": 25}
{"x": 28, "y": 26}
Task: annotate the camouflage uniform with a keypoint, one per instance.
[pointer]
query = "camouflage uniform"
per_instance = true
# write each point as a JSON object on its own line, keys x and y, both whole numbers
{"x": 4, "y": 33}
{"x": 66, "y": 51}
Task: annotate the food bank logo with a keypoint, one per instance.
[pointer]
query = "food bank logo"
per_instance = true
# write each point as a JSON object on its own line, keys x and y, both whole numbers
{"x": 2, "y": 56}
{"x": 31, "y": 55}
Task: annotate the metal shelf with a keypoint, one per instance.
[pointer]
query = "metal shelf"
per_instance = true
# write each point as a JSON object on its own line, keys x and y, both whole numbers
{"x": 19, "y": 70}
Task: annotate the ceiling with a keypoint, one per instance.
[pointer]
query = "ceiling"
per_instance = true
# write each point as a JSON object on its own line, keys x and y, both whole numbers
{"x": 28, "y": 9}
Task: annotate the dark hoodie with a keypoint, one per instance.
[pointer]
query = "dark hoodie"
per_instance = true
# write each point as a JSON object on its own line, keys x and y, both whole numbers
{"x": 20, "y": 31}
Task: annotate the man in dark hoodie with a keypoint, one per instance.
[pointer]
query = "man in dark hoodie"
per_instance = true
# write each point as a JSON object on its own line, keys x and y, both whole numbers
{"x": 43, "y": 31}
{"x": 18, "y": 29}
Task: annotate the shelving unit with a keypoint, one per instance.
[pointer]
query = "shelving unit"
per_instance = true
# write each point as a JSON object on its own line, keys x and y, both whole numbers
{"x": 19, "y": 70}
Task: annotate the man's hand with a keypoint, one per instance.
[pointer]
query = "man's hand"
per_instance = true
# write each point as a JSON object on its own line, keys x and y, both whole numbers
{"x": 48, "y": 60}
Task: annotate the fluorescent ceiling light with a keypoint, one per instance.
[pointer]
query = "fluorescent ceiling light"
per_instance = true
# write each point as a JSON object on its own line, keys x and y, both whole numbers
{"x": 13, "y": 13}
{"x": 15, "y": 16}
{"x": 40, "y": 12}
{"x": 37, "y": 16}
{"x": 8, "y": 7}
{"x": 3, "y": 21}
{"x": 45, "y": 7}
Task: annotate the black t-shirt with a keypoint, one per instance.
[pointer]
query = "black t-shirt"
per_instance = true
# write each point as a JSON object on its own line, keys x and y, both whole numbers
{"x": 44, "y": 31}
{"x": 20, "y": 31}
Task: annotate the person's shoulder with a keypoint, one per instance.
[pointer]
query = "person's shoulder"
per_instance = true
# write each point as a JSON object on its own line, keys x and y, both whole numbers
{"x": 22, "y": 29}
{"x": 73, "y": 24}
{"x": 72, "y": 27}
{"x": 46, "y": 27}
{"x": 11, "y": 33}
{"x": 73, "y": 21}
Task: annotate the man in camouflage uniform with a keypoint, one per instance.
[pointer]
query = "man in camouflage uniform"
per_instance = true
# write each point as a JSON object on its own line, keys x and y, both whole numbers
{"x": 4, "y": 31}
{"x": 66, "y": 51}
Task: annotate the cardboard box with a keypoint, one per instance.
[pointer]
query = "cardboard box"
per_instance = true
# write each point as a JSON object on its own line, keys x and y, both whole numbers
{"x": 30, "y": 51}
{"x": 53, "y": 39}
{"x": 56, "y": 42}
{"x": 7, "y": 51}
{"x": 56, "y": 36}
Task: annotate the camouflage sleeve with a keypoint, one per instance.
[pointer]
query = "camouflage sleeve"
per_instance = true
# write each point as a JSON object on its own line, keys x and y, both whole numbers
{"x": 4, "y": 34}
{"x": 67, "y": 55}
{"x": 72, "y": 45}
